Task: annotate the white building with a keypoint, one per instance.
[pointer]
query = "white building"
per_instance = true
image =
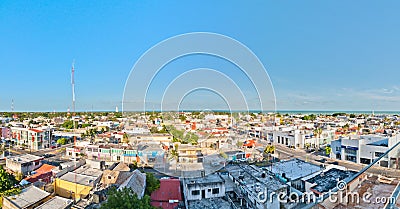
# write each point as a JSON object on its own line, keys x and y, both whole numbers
{"x": 24, "y": 163}
{"x": 364, "y": 149}
{"x": 211, "y": 186}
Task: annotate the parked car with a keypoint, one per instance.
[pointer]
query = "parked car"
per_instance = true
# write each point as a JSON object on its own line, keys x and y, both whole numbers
{"x": 334, "y": 163}
{"x": 48, "y": 155}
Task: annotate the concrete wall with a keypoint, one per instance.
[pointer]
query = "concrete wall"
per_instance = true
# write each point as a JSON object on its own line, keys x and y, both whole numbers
{"x": 64, "y": 188}
{"x": 207, "y": 188}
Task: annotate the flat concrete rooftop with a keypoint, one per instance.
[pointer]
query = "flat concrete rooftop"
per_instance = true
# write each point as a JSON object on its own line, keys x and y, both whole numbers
{"x": 293, "y": 169}
{"x": 79, "y": 178}
{"x": 329, "y": 179}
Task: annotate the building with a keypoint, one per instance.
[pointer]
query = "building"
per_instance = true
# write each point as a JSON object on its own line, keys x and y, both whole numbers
{"x": 29, "y": 198}
{"x": 168, "y": 195}
{"x": 150, "y": 153}
{"x": 210, "y": 186}
{"x": 56, "y": 203}
{"x": 235, "y": 155}
{"x": 366, "y": 148}
{"x": 293, "y": 171}
{"x": 248, "y": 182}
{"x": 23, "y": 163}
{"x": 43, "y": 174}
{"x": 75, "y": 186}
{"x": 116, "y": 176}
{"x": 79, "y": 183}
{"x": 137, "y": 182}
{"x": 33, "y": 139}
{"x": 324, "y": 182}
{"x": 5, "y": 132}
{"x": 189, "y": 154}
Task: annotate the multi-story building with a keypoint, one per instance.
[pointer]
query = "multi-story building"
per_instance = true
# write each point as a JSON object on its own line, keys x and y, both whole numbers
{"x": 366, "y": 148}
{"x": 211, "y": 186}
{"x": 34, "y": 139}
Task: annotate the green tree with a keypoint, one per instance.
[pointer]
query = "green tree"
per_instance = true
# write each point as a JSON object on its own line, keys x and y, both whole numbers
{"x": 19, "y": 176}
{"x": 69, "y": 124}
{"x": 328, "y": 150}
{"x": 10, "y": 192}
{"x": 311, "y": 117}
{"x": 124, "y": 199}
{"x": 125, "y": 138}
{"x": 152, "y": 183}
{"x": 62, "y": 141}
{"x": 269, "y": 149}
{"x": 153, "y": 129}
{"x": 7, "y": 181}
{"x": 182, "y": 118}
{"x": 317, "y": 132}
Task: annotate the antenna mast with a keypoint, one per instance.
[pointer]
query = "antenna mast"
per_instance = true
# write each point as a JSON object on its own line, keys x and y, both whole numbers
{"x": 73, "y": 86}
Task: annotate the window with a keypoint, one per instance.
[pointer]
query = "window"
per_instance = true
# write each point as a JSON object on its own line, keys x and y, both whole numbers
{"x": 350, "y": 151}
{"x": 378, "y": 154}
{"x": 215, "y": 191}
{"x": 118, "y": 158}
{"x": 195, "y": 192}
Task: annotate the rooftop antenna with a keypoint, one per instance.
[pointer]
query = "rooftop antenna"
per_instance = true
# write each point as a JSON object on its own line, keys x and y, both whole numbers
{"x": 73, "y": 85}
{"x": 73, "y": 114}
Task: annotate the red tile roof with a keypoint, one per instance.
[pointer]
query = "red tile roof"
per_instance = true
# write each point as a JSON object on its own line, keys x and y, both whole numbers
{"x": 44, "y": 173}
{"x": 170, "y": 189}
{"x": 36, "y": 130}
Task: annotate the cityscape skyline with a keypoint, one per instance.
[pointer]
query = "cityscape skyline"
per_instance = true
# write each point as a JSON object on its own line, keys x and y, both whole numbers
{"x": 319, "y": 56}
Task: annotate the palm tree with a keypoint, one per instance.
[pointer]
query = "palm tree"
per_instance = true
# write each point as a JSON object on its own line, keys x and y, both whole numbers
{"x": 318, "y": 132}
{"x": 125, "y": 138}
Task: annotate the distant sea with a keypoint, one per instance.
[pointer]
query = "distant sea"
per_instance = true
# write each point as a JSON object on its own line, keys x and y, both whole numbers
{"x": 315, "y": 112}
{"x": 329, "y": 112}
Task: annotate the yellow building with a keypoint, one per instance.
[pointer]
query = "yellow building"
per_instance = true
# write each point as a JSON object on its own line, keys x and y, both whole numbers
{"x": 74, "y": 185}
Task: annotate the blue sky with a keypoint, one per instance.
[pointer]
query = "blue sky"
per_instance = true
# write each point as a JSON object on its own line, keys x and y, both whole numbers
{"x": 320, "y": 55}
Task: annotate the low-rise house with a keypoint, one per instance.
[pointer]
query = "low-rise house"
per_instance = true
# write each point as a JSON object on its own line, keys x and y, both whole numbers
{"x": 23, "y": 163}
{"x": 168, "y": 195}
{"x": 137, "y": 182}
{"x": 210, "y": 186}
{"x": 79, "y": 183}
{"x": 293, "y": 171}
{"x": 250, "y": 181}
{"x": 56, "y": 203}
{"x": 116, "y": 176}
{"x": 75, "y": 186}
{"x": 29, "y": 198}
{"x": 189, "y": 154}
{"x": 44, "y": 174}
{"x": 150, "y": 153}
